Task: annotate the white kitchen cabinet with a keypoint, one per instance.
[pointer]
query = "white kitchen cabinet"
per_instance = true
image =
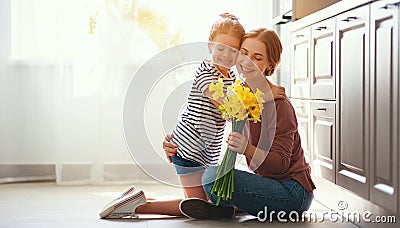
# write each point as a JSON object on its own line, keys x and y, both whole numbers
{"x": 352, "y": 48}
{"x": 323, "y": 60}
{"x": 384, "y": 109}
{"x": 352, "y": 70}
{"x": 300, "y": 83}
{"x": 302, "y": 109}
{"x": 323, "y": 133}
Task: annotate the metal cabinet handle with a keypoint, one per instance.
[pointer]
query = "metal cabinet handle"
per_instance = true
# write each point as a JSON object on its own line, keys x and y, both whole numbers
{"x": 320, "y": 28}
{"x": 299, "y": 36}
{"x": 319, "y": 109}
{"x": 350, "y": 19}
{"x": 388, "y": 6}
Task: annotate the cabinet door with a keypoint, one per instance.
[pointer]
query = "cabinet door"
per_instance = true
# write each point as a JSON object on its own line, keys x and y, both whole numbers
{"x": 397, "y": 26}
{"x": 384, "y": 105}
{"x": 302, "y": 109}
{"x": 323, "y": 60}
{"x": 352, "y": 68}
{"x": 300, "y": 64}
{"x": 323, "y": 139}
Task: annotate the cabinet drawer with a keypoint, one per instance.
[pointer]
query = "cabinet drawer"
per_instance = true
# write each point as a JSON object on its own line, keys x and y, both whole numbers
{"x": 323, "y": 139}
{"x": 323, "y": 110}
{"x": 300, "y": 87}
{"x": 323, "y": 60}
{"x": 354, "y": 18}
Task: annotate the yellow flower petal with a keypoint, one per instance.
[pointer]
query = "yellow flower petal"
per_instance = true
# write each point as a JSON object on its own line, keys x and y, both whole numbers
{"x": 217, "y": 88}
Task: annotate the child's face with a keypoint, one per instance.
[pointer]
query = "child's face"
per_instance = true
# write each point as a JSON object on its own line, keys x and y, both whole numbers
{"x": 224, "y": 50}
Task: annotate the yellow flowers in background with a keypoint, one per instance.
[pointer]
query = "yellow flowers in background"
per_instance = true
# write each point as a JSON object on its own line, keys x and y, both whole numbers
{"x": 92, "y": 23}
{"x": 239, "y": 104}
{"x": 155, "y": 26}
{"x": 148, "y": 19}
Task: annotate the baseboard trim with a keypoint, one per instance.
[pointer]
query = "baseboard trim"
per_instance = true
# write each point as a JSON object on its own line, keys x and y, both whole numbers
{"x": 89, "y": 173}
{"x": 11, "y": 173}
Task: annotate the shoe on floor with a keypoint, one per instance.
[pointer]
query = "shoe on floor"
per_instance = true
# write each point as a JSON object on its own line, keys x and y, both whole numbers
{"x": 201, "y": 209}
{"x": 128, "y": 191}
{"x": 124, "y": 206}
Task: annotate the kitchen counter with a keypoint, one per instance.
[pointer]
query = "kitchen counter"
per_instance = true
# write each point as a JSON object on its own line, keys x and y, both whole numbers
{"x": 328, "y": 12}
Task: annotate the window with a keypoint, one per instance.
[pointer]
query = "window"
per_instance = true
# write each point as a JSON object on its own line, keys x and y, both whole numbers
{"x": 60, "y": 30}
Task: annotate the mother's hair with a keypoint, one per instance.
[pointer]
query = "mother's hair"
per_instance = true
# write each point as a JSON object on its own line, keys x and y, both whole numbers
{"x": 273, "y": 46}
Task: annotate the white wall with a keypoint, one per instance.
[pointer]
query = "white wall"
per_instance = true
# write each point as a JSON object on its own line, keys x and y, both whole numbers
{"x": 44, "y": 121}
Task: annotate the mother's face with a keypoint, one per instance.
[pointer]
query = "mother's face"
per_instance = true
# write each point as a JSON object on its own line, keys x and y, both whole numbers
{"x": 252, "y": 58}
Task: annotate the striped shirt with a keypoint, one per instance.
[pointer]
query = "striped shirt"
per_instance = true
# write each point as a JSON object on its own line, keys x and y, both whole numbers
{"x": 200, "y": 130}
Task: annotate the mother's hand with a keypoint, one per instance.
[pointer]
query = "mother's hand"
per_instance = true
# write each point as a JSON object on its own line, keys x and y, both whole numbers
{"x": 170, "y": 148}
{"x": 237, "y": 142}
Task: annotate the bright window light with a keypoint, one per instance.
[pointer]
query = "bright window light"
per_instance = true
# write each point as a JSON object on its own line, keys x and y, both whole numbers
{"x": 61, "y": 30}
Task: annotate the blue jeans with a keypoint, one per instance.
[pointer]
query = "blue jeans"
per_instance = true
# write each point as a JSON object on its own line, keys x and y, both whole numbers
{"x": 254, "y": 193}
{"x": 186, "y": 167}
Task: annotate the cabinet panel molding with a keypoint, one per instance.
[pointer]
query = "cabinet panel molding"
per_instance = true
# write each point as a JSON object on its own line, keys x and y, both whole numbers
{"x": 302, "y": 109}
{"x": 300, "y": 84}
{"x": 323, "y": 60}
{"x": 323, "y": 133}
{"x": 384, "y": 120}
{"x": 352, "y": 49}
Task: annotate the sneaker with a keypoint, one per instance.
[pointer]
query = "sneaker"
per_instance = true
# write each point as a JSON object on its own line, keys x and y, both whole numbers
{"x": 201, "y": 209}
{"x": 125, "y": 206}
{"x": 128, "y": 191}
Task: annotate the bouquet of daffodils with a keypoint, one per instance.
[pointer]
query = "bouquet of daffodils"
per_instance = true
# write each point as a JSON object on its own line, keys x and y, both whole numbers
{"x": 239, "y": 104}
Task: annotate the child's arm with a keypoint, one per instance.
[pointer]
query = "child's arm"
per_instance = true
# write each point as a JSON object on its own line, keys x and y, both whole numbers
{"x": 274, "y": 93}
{"x": 278, "y": 92}
{"x": 216, "y": 103}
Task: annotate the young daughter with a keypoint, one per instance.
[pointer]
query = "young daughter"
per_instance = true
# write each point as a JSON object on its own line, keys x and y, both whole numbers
{"x": 200, "y": 130}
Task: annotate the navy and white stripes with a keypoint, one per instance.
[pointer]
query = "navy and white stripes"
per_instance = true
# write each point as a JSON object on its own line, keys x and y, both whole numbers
{"x": 200, "y": 130}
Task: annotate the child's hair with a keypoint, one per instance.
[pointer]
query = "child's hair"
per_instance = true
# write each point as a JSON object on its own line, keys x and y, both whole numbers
{"x": 273, "y": 46}
{"x": 228, "y": 25}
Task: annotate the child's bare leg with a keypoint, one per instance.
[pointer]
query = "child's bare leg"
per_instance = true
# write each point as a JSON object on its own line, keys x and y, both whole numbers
{"x": 192, "y": 188}
{"x": 192, "y": 185}
{"x": 161, "y": 207}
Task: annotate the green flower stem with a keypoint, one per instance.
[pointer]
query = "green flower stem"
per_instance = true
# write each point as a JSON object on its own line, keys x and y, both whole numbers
{"x": 224, "y": 181}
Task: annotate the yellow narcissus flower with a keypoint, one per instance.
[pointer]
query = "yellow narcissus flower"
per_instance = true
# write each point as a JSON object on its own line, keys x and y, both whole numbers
{"x": 239, "y": 103}
{"x": 236, "y": 107}
{"x": 218, "y": 89}
{"x": 246, "y": 96}
{"x": 258, "y": 94}
{"x": 255, "y": 113}
{"x": 236, "y": 84}
{"x": 224, "y": 113}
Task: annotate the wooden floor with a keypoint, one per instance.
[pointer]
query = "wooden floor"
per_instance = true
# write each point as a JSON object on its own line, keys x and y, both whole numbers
{"x": 51, "y": 205}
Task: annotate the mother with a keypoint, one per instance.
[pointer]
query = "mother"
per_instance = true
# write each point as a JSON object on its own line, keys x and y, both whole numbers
{"x": 281, "y": 180}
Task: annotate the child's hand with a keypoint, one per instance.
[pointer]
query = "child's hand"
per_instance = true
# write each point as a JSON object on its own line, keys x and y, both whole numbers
{"x": 278, "y": 92}
{"x": 169, "y": 147}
